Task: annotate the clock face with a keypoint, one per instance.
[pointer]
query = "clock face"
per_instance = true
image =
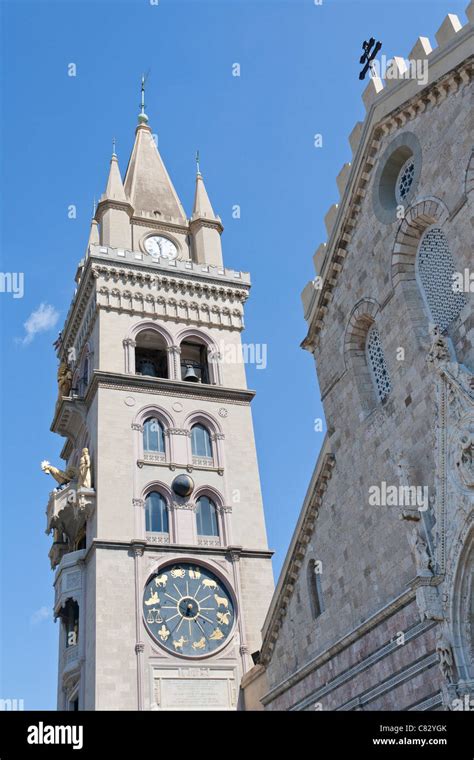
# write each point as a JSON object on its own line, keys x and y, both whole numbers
{"x": 188, "y": 610}
{"x": 161, "y": 247}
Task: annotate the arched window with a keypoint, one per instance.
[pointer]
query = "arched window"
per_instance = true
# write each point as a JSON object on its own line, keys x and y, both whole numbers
{"x": 153, "y": 436}
{"x": 151, "y": 357}
{"x": 435, "y": 268}
{"x": 377, "y": 365}
{"x": 194, "y": 361}
{"x": 156, "y": 513}
{"x": 315, "y": 591}
{"x": 201, "y": 445}
{"x": 206, "y": 517}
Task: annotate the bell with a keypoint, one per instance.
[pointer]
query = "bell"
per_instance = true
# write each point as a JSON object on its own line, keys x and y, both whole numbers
{"x": 191, "y": 376}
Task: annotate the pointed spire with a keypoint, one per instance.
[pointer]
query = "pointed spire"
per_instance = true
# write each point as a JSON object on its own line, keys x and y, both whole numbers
{"x": 202, "y": 205}
{"x": 94, "y": 237}
{"x": 147, "y": 184}
{"x": 142, "y": 117}
{"x": 114, "y": 190}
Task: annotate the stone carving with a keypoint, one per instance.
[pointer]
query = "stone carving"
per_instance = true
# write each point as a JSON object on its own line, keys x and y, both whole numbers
{"x": 64, "y": 380}
{"x": 85, "y": 480}
{"x": 445, "y": 655}
{"x": 465, "y": 458}
{"x": 439, "y": 350}
{"x": 420, "y": 549}
{"x": 60, "y": 476}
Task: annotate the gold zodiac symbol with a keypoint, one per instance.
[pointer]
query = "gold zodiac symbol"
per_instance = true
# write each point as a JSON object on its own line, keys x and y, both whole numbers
{"x": 221, "y": 600}
{"x": 199, "y": 644}
{"x": 163, "y": 633}
{"x": 153, "y": 599}
{"x": 196, "y": 573}
{"x": 179, "y": 643}
{"x": 178, "y": 572}
{"x": 216, "y": 635}
{"x": 207, "y": 583}
{"x": 160, "y": 580}
{"x": 223, "y": 618}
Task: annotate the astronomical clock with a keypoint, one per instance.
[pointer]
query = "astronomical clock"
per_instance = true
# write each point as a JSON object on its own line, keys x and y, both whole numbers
{"x": 188, "y": 610}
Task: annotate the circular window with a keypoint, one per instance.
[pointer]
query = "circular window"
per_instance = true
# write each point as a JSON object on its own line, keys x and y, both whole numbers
{"x": 396, "y": 177}
{"x": 405, "y": 180}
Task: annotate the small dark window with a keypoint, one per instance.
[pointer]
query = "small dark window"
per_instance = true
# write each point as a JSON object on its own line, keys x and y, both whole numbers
{"x": 315, "y": 592}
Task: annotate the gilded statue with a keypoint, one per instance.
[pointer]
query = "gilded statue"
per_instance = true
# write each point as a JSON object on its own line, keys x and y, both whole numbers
{"x": 64, "y": 380}
{"x": 85, "y": 480}
{"x": 60, "y": 476}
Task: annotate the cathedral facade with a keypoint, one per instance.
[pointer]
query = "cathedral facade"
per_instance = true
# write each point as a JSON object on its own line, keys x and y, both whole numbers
{"x": 162, "y": 569}
{"x": 374, "y": 607}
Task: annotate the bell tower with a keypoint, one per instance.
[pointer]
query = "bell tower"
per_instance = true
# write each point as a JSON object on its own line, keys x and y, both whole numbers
{"x": 162, "y": 570}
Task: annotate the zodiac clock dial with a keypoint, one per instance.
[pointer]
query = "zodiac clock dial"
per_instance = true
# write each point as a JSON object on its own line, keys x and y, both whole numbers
{"x": 188, "y": 610}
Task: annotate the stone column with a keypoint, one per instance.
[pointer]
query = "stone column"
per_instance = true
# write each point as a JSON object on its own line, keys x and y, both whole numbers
{"x": 129, "y": 346}
{"x": 138, "y": 548}
{"x": 234, "y": 556}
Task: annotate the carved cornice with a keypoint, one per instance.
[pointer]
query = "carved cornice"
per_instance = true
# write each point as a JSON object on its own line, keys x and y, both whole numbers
{"x": 199, "y": 222}
{"x": 107, "y": 204}
{"x": 145, "y": 384}
{"x": 350, "y": 207}
{"x": 179, "y": 282}
{"x": 155, "y": 224}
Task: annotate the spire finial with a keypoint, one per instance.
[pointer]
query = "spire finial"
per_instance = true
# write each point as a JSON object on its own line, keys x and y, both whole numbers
{"x": 113, "y": 147}
{"x": 198, "y": 170}
{"x": 142, "y": 117}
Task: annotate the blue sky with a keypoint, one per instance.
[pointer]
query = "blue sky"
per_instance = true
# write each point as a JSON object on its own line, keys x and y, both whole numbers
{"x": 299, "y": 76}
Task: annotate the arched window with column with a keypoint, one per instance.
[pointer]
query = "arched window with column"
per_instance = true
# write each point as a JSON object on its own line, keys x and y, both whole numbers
{"x": 199, "y": 357}
{"x": 206, "y": 517}
{"x": 435, "y": 270}
{"x": 151, "y": 356}
{"x": 156, "y": 513}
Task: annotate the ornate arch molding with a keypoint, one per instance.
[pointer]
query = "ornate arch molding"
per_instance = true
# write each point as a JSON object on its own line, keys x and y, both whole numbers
{"x": 149, "y": 324}
{"x": 418, "y": 218}
{"x": 463, "y": 607}
{"x": 153, "y": 410}
{"x": 423, "y": 214}
{"x": 361, "y": 319}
